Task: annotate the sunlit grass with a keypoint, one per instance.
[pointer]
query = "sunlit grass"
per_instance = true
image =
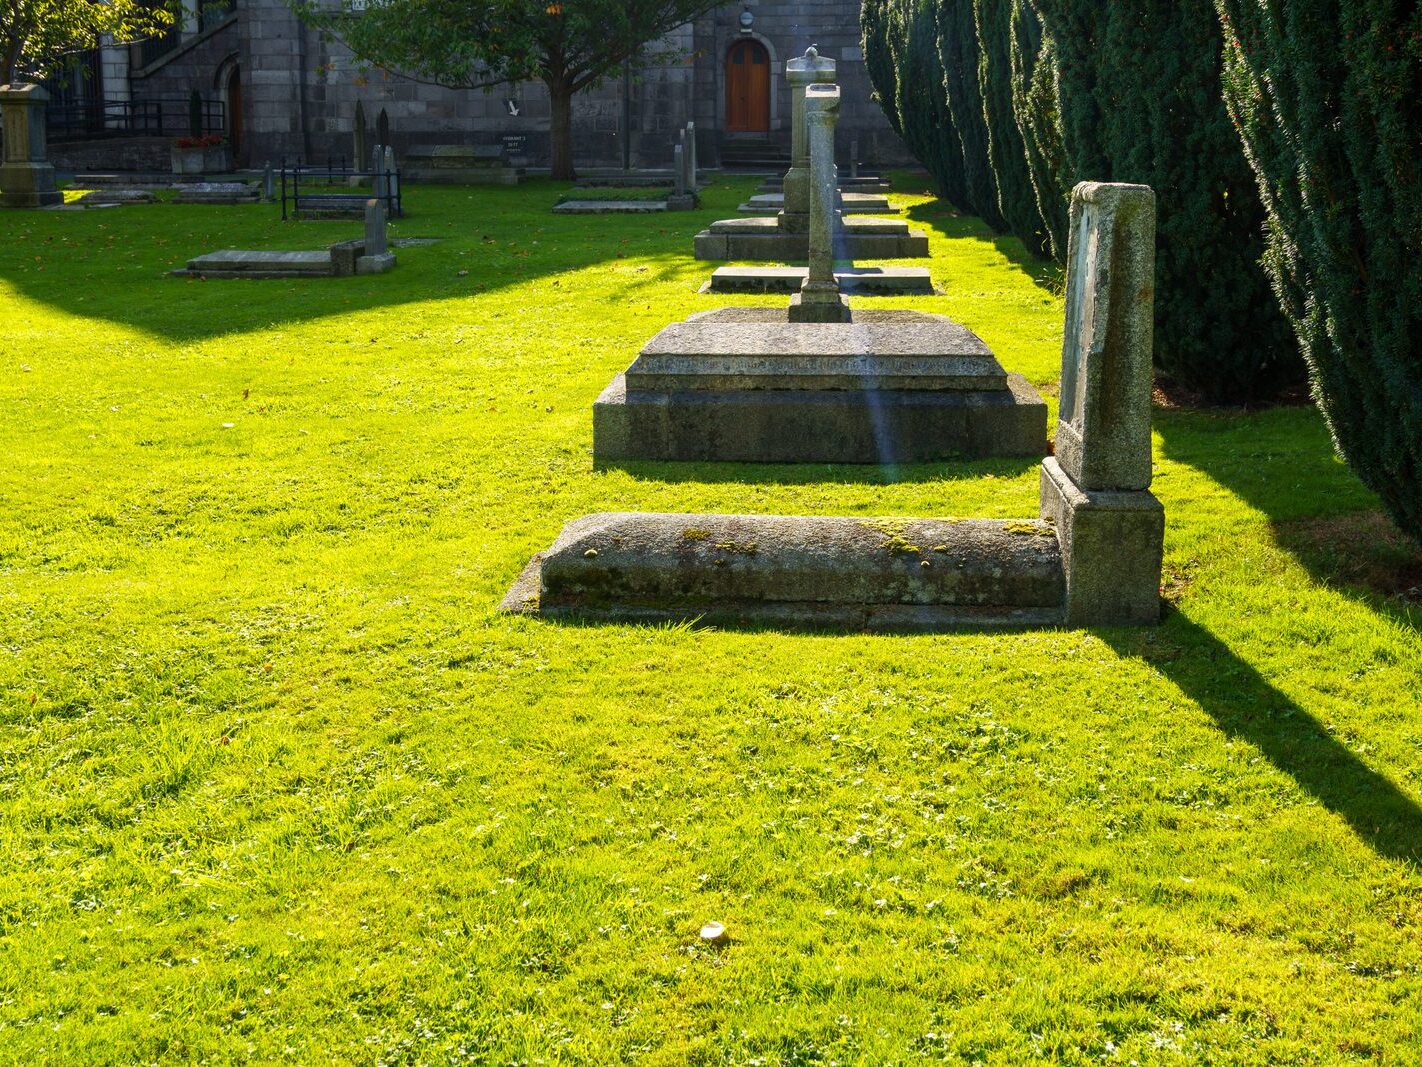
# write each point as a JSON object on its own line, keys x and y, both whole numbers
{"x": 277, "y": 783}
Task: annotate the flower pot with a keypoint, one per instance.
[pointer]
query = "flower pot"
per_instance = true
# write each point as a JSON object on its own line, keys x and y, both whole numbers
{"x": 206, "y": 159}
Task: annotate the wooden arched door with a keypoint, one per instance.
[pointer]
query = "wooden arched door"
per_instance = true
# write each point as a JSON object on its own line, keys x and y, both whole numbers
{"x": 747, "y": 88}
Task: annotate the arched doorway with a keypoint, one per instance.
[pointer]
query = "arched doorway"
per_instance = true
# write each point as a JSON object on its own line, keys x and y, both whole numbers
{"x": 747, "y": 88}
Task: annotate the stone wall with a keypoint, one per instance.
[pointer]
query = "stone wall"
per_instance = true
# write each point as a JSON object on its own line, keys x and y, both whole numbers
{"x": 300, "y": 91}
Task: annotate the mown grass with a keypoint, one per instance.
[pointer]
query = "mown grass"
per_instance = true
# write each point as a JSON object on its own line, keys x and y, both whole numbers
{"x": 277, "y": 782}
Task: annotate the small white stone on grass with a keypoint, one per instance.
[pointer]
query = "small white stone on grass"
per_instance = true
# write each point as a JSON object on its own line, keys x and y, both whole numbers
{"x": 713, "y": 932}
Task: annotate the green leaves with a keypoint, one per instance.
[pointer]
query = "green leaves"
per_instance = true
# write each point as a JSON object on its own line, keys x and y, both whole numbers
{"x": 35, "y": 34}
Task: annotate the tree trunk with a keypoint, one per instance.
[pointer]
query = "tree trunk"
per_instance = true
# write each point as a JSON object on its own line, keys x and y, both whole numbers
{"x": 561, "y": 128}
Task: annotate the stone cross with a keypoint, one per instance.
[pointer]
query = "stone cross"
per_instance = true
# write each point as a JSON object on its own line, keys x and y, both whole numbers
{"x": 1103, "y": 432}
{"x": 819, "y": 299}
{"x": 26, "y": 177}
{"x": 375, "y": 240}
{"x": 1110, "y": 527}
{"x": 801, "y": 72}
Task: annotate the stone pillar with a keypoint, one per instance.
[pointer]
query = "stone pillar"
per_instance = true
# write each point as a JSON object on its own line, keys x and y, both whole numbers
{"x": 268, "y": 182}
{"x": 1096, "y": 487}
{"x": 680, "y": 199}
{"x": 801, "y": 72}
{"x": 26, "y": 177}
{"x": 375, "y": 257}
{"x": 375, "y": 241}
{"x": 819, "y": 299}
{"x": 691, "y": 158}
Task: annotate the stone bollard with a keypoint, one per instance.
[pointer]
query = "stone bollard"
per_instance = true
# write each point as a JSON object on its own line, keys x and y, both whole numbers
{"x": 680, "y": 199}
{"x": 26, "y": 177}
{"x": 1096, "y": 488}
{"x": 801, "y": 72}
{"x": 819, "y": 299}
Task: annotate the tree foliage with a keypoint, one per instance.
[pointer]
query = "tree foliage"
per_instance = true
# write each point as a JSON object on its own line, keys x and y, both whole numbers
{"x": 1327, "y": 97}
{"x": 569, "y": 45}
{"x": 35, "y": 35}
{"x": 1138, "y": 88}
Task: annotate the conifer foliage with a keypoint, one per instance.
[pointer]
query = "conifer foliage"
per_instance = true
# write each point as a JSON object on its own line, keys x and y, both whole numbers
{"x": 1327, "y": 97}
{"x": 1040, "y": 97}
{"x": 1138, "y": 87}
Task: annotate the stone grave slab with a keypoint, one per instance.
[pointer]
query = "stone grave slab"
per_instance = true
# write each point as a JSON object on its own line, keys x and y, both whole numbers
{"x": 610, "y": 207}
{"x": 217, "y": 193}
{"x": 810, "y": 572}
{"x": 110, "y": 197}
{"x": 459, "y": 165}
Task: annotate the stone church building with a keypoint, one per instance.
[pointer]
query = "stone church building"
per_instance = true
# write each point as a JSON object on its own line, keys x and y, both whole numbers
{"x": 278, "y": 90}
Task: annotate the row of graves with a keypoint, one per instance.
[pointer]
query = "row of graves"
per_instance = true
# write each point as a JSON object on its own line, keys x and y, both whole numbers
{"x": 819, "y": 382}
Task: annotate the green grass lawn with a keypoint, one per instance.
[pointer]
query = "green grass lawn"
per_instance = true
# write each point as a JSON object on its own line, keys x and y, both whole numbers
{"x": 276, "y": 781}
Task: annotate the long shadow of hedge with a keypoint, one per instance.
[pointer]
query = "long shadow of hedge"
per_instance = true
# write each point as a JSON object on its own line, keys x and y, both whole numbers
{"x": 1281, "y": 462}
{"x": 1245, "y": 706}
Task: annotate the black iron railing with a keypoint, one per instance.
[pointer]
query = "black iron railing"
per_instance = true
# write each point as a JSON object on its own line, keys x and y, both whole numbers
{"x": 163, "y": 116}
{"x": 337, "y": 189}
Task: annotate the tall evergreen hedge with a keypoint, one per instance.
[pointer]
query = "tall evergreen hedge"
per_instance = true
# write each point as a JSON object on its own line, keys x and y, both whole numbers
{"x": 957, "y": 42}
{"x": 1007, "y": 153}
{"x": 1327, "y": 97}
{"x": 1138, "y": 86}
{"x": 874, "y": 20}
{"x": 1034, "y": 109}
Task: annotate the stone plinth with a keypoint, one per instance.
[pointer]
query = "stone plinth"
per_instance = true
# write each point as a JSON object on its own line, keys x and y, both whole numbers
{"x": 459, "y": 165}
{"x": 26, "y": 176}
{"x": 849, "y": 204}
{"x": 860, "y": 574}
{"x": 860, "y": 237}
{"x": 747, "y": 385}
{"x": 880, "y": 281}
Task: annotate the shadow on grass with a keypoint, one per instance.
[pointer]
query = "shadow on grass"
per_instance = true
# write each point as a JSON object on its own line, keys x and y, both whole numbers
{"x": 1281, "y": 462}
{"x": 942, "y": 217}
{"x": 1245, "y": 706}
{"x": 111, "y": 264}
{"x": 820, "y": 473}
